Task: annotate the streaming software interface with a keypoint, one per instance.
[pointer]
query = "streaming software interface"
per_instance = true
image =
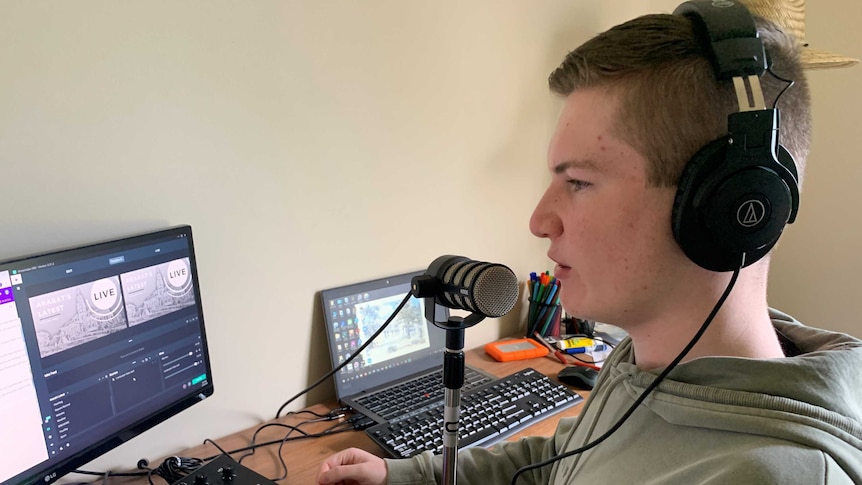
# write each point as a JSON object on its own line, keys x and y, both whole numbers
{"x": 93, "y": 341}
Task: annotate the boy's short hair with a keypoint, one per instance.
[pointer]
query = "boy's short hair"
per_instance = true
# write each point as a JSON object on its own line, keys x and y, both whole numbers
{"x": 670, "y": 104}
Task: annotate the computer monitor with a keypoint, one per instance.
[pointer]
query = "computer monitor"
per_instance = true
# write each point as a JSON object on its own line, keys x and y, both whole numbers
{"x": 97, "y": 344}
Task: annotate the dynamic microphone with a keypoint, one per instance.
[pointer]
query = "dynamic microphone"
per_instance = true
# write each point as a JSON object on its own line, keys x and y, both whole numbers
{"x": 486, "y": 289}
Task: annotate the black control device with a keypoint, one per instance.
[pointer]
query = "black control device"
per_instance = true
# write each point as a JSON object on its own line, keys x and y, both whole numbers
{"x": 224, "y": 470}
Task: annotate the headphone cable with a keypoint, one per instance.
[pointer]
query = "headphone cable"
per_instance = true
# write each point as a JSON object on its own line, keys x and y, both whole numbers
{"x": 789, "y": 82}
{"x": 649, "y": 388}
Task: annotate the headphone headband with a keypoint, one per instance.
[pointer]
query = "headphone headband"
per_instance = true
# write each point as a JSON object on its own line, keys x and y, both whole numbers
{"x": 728, "y": 31}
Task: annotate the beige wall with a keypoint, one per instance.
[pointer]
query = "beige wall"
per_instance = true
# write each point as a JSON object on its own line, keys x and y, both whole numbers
{"x": 314, "y": 144}
{"x": 816, "y": 270}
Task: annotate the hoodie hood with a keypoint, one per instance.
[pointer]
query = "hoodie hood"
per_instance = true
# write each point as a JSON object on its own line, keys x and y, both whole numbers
{"x": 813, "y": 399}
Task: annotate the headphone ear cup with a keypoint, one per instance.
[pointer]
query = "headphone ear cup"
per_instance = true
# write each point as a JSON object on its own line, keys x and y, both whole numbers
{"x": 791, "y": 177}
{"x": 724, "y": 209}
{"x": 687, "y": 230}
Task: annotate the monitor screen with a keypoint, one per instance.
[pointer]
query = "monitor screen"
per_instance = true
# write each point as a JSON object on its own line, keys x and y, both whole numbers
{"x": 97, "y": 344}
{"x": 409, "y": 345}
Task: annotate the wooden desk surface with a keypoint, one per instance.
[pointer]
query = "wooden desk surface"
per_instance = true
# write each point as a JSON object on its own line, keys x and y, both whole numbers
{"x": 303, "y": 457}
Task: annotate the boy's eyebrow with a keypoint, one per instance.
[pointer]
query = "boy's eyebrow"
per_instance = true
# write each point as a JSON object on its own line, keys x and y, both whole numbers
{"x": 586, "y": 164}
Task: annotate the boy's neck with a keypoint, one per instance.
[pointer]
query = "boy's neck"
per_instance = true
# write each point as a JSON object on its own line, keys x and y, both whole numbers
{"x": 742, "y": 328}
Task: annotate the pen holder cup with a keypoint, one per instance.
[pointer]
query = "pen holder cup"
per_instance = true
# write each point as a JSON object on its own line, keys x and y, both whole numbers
{"x": 544, "y": 318}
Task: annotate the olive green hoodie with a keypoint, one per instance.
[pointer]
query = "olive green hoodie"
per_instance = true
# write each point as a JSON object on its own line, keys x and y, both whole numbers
{"x": 713, "y": 420}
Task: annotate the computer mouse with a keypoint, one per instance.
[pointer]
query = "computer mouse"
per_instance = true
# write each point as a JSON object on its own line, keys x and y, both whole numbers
{"x": 578, "y": 376}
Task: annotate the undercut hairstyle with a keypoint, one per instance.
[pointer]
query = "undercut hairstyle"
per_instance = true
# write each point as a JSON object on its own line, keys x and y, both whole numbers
{"x": 669, "y": 101}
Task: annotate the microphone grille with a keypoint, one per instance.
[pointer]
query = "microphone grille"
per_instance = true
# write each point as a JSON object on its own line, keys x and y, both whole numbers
{"x": 495, "y": 290}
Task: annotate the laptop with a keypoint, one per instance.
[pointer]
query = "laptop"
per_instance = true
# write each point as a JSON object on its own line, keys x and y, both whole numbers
{"x": 400, "y": 373}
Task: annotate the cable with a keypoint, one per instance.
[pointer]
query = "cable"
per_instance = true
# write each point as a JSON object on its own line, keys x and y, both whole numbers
{"x": 175, "y": 468}
{"x": 272, "y": 442}
{"x": 327, "y": 431}
{"x": 281, "y": 457}
{"x": 349, "y": 359}
{"x": 216, "y": 445}
{"x": 172, "y": 469}
{"x": 110, "y": 473}
{"x": 332, "y": 414}
{"x": 649, "y": 388}
{"x": 254, "y": 437}
{"x": 280, "y": 447}
{"x": 789, "y": 82}
{"x": 336, "y": 413}
{"x": 357, "y": 422}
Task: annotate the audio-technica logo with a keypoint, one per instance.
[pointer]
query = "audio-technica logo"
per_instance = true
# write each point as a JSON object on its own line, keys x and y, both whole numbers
{"x": 722, "y": 3}
{"x": 750, "y": 213}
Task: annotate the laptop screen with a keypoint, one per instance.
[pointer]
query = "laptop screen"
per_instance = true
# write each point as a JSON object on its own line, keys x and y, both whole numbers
{"x": 409, "y": 345}
{"x": 97, "y": 344}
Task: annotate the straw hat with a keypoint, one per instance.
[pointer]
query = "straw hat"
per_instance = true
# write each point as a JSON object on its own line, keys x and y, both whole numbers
{"x": 789, "y": 16}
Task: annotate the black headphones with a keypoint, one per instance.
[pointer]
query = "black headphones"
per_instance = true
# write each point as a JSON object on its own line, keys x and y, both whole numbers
{"x": 737, "y": 193}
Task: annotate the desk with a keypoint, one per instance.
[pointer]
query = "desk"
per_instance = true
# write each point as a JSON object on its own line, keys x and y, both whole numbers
{"x": 303, "y": 457}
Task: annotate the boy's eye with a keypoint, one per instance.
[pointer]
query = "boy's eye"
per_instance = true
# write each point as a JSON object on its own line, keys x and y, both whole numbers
{"x": 578, "y": 184}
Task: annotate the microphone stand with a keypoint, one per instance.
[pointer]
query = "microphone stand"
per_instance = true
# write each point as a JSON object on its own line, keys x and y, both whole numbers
{"x": 428, "y": 287}
{"x": 453, "y": 380}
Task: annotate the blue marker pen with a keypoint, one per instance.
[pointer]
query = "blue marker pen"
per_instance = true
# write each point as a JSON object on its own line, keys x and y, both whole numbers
{"x": 584, "y": 350}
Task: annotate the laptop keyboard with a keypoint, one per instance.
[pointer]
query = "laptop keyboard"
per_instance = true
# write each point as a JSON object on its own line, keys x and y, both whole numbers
{"x": 405, "y": 400}
{"x": 489, "y": 413}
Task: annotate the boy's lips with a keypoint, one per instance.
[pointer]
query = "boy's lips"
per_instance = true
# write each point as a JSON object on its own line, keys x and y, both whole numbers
{"x": 560, "y": 269}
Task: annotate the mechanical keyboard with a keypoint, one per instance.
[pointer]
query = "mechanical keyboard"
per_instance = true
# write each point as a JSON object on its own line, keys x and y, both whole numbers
{"x": 489, "y": 413}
